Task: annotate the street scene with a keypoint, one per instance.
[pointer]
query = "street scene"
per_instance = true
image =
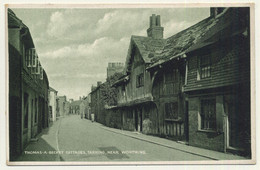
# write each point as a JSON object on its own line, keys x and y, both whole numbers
{"x": 129, "y": 85}
{"x": 100, "y": 143}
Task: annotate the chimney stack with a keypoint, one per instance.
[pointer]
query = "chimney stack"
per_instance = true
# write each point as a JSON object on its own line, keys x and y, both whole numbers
{"x": 99, "y": 83}
{"x": 155, "y": 31}
{"x": 215, "y": 11}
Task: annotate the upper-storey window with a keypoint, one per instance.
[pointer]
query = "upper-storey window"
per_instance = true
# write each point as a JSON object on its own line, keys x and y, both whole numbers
{"x": 171, "y": 83}
{"x": 204, "y": 66}
{"x": 140, "y": 80}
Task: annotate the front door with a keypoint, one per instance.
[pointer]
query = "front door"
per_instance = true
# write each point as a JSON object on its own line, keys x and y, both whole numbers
{"x": 136, "y": 119}
{"x": 140, "y": 128}
{"x": 234, "y": 124}
{"x": 32, "y": 111}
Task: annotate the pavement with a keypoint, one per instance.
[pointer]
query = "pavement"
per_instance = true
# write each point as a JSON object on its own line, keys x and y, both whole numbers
{"x": 47, "y": 142}
{"x": 210, "y": 154}
{"x": 74, "y": 139}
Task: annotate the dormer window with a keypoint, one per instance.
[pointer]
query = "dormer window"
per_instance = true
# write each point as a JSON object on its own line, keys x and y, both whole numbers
{"x": 41, "y": 73}
{"x": 28, "y": 58}
{"x": 34, "y": 58}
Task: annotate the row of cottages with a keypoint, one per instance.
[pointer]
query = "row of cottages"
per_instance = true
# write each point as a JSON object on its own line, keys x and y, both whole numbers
{"x": 103, "y": 96}
{"x": 28, "y": 88}
{"x": 88, "y": 107}
{"x": 193, "y": 86}
{"x": 53, "y": 104}
{"x": 97, "y": 106}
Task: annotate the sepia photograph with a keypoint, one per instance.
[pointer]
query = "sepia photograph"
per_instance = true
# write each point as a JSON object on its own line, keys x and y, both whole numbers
{"x": 130, "y": 84}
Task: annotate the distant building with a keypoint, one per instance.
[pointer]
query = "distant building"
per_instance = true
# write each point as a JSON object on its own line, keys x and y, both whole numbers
{"x": 63, "y": 106}
{"x": 75, "y": 107}
{"x": 88, "y": 112}
{"x": 114, "y": 68}
{"x": 52, "y": 104}
{"x": 96, "y": 105}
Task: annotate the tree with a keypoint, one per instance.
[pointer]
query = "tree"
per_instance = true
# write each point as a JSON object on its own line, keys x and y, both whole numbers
{"x": 108, "y": 92}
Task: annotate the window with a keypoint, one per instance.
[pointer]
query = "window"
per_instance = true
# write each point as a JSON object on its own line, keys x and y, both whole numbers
{"x": 140, "y": 80}
{"x": 205, "y": 66}
{"x": 208, "y": 114}
{"x": 171, "y": 83}
{"x": 171, "y": 110}
{"x": 123, "y": 91}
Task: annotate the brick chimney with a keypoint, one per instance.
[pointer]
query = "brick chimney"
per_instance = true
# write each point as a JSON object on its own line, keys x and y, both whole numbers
{"x": 215, "y": 11}
{"x": 155, "y": 31}
{"x": 99, "y": 83}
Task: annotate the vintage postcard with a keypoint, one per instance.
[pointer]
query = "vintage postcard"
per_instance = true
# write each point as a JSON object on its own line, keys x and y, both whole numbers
{"x": 92, "y": 84}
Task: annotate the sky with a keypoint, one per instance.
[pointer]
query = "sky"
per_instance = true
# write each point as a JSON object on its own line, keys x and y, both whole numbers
{"x": 75, "y": 45}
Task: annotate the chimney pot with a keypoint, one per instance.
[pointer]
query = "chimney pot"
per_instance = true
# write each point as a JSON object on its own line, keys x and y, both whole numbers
{"x": 155, "y": 31}
{"x": 158, "y": 20}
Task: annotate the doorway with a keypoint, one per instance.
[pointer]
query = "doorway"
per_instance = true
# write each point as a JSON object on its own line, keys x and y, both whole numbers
{"x": 235, "y": 125}
{"x": 138, "y": 120}
{"x": 186, "y": 125}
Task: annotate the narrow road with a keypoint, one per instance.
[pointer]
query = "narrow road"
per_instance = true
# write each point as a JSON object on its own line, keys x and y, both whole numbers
{"x": 81, "y": 140}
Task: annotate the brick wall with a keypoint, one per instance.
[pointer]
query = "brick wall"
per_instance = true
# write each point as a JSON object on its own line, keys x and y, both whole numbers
{"x": 208, "y": 140}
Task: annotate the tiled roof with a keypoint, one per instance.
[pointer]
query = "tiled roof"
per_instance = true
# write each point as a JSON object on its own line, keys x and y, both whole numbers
{"x": 178, "y": 44}
{"x": 149, "y": 47}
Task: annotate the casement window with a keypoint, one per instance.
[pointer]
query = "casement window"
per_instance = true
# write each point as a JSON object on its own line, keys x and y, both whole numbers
{"x": 208, "y": 114}
{"x": 171, "y": 85}
{"x": 38, "y": 70}
{"x": 204, "y": 69}
{"x": 123, "y": 91}
{"x": 171, "y": 110}
{"x": 34, "y": 57}
{"x": 41, "y": 73}
{"x": 140, "y": 80}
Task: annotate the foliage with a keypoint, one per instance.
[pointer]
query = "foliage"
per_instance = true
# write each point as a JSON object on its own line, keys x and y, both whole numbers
{"x": 109, "y": 93}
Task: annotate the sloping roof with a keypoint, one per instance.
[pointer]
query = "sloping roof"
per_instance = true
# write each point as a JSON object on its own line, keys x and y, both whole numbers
{"x": 147, "y": 46}
{"x": 15, "y": 22}
{"x": 52, "y": 89}
{"x": 178, "y": 44}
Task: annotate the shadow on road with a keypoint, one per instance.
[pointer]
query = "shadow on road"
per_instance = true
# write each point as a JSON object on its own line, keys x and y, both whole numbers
{"x": 39, "y": 151}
